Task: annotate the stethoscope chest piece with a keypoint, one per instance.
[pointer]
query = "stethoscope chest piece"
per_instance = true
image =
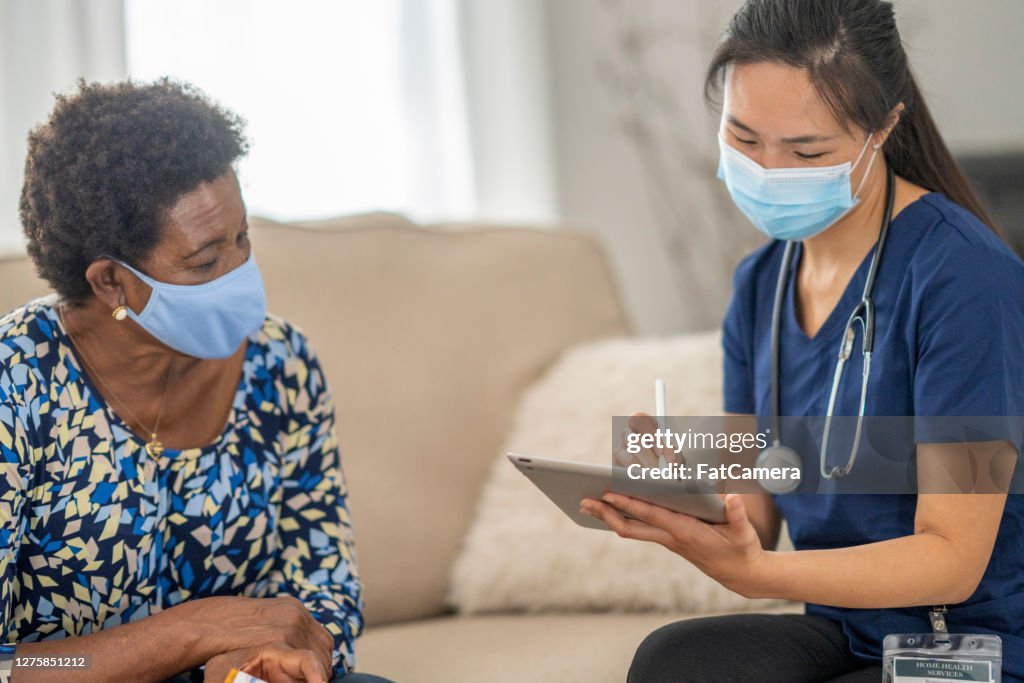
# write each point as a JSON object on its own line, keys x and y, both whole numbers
{"x": 786, "y": 460}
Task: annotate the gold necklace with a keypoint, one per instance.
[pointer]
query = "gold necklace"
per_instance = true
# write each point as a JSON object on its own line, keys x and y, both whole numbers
{"x": 154, "y": 448}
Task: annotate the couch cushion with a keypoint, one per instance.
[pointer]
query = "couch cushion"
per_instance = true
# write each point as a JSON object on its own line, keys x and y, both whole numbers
{"x": 429, "y": 337}
{"x": 578, "y": 648}
{"x": 18, "y": 282}
{"x": 524, "y": 553}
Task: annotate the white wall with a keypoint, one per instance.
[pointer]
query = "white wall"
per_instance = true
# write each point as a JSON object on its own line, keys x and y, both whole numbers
{"x": 967, "y": 55}
{"x": 506, "y": 62}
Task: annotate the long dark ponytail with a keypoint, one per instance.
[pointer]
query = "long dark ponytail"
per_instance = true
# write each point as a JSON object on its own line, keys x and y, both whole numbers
{"x": 855, "y": 58}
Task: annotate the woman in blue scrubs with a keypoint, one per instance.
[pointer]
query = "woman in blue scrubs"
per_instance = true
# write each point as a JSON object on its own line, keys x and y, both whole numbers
{"x": 814, "y": 84}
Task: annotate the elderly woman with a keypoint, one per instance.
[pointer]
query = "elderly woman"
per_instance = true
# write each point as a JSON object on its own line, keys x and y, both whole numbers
{"x": 172, "y": 494}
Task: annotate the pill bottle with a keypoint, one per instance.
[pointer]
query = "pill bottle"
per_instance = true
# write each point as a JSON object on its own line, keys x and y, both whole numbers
{"x": 236, "y": 676}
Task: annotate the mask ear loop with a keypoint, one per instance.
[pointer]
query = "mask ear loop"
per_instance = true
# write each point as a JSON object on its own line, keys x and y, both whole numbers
{"x": 871, "y": 162}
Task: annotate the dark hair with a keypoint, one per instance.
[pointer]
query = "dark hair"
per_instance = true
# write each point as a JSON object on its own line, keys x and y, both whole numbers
{"x": 107, "y": 164}
{"x": 854, "y": 56}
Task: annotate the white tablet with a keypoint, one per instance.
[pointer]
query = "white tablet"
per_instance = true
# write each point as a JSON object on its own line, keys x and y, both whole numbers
{"x": 566, "y": 483}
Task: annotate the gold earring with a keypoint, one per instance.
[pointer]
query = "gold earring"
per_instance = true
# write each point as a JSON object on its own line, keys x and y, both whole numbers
{"x": 120, "y": 313}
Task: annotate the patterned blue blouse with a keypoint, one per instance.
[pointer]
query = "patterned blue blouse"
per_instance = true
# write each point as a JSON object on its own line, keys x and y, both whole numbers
{"x": 94, "y": 532}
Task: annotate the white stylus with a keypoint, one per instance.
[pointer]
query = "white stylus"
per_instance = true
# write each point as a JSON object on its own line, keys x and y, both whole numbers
{"x": 659, "y": 408}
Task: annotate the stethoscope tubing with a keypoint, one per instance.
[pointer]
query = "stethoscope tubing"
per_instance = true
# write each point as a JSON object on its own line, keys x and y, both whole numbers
{"x": 864, "y": 314}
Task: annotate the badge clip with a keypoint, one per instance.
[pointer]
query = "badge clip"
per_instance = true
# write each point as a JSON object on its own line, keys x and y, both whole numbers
{"x": 939, "y": 627}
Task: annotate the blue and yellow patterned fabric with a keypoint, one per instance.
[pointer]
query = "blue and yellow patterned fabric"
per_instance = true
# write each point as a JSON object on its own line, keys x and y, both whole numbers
{"x": 94, "y": 532}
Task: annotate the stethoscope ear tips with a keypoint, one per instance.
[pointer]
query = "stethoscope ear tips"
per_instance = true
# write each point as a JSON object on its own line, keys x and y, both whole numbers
{"x": 785, "y": 462}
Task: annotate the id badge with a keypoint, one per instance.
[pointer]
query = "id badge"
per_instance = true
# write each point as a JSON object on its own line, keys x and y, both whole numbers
{"x": 938, "y": 658}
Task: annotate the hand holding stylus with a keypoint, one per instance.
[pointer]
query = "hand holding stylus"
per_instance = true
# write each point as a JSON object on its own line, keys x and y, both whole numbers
{"x": 659, "y": 406}
{"x": 643, "y": 423}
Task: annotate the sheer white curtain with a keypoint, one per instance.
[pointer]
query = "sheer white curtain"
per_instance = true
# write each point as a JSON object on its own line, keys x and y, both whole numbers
{"x": 433, "y": 108}
{"x": 510, "y": 113}
{"x": 45, "y": 46}
{"x": 351, "y": 105}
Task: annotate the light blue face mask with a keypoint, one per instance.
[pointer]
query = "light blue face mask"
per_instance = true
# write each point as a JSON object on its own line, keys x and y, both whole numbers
{"x": 790, "y": 203}
{"x": 210, "y": 320}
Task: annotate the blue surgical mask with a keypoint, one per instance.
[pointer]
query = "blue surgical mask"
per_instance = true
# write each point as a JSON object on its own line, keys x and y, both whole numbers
{"x": 210, "y": 320}
{"x": 790, "y": 203}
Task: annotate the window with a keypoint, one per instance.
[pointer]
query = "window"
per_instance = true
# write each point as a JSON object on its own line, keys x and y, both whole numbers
{"x": 351, "y": 105}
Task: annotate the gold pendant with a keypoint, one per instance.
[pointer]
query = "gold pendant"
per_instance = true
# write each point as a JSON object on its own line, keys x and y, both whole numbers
{"x": 154, "y": 448}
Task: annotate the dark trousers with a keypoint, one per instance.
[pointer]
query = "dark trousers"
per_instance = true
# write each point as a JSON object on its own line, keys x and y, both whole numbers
{"x": 767, "y": 648}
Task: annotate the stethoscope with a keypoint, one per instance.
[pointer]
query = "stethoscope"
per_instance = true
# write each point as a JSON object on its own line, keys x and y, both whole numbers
{"x": 863, "y": 314}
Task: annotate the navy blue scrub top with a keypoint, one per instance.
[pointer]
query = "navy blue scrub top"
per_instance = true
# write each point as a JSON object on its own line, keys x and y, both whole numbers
{"x": 949, "y": 341}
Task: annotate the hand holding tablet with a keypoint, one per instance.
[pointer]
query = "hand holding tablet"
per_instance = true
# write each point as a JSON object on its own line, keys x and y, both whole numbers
{"x": 566, "y": 483}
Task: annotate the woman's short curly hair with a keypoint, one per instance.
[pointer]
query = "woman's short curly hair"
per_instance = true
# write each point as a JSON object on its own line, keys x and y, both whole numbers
{"x": 107, "y": 164}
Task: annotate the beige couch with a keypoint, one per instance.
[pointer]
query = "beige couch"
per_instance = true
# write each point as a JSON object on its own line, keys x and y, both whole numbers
{"x": 429, "y": 336}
